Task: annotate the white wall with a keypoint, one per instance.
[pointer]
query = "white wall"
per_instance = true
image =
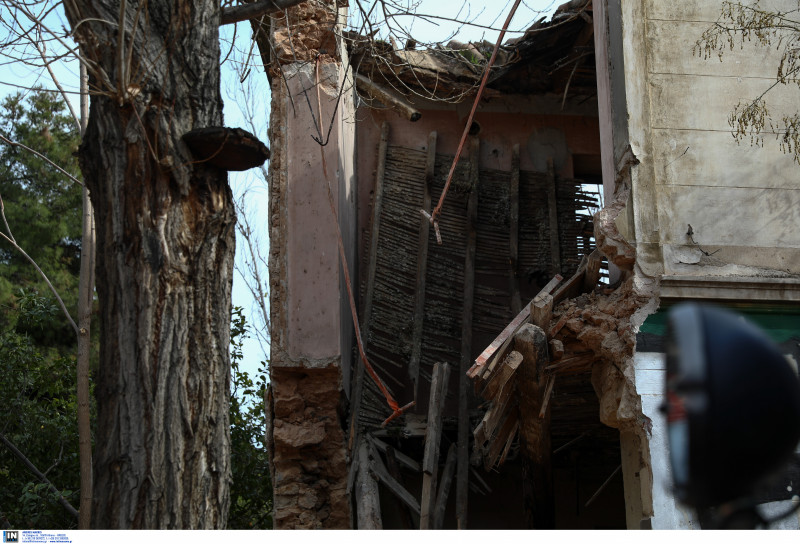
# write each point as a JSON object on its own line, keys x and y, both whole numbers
{"x": 743, "y": 202}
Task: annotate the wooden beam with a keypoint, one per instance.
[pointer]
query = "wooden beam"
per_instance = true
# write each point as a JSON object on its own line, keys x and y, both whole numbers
{"x": 368, "y": 502}
{"x": 245, "y": 12}
{"x": 430, "y": 461}
{"x": 496, "y": 414}
{"x": 366, "y": 314}
{"x": 531, "y": 342}
{"x": 510, "y": 365}
{"x": 499, "y": 442}
{"x": 388, "y": 98}
{"x": 548, "y": 392}
{"x": 462, "y": 479}
{"x": 558, "y": 326}
{"x": 513, "y": 231}
{"x": 379, "y": 470}
{"x": 552, "y": 204}
{"x": 422, "y": 266}
{"x": 444, "y": 487}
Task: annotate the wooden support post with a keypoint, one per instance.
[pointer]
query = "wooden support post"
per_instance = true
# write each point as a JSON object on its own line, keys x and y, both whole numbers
{"x": 531, "y": 342}
{"x": 368, "y": 502}
{"x": 513, "y": 231}
{"x": 366, "y": 314}
{"x": 552, "y": 204}
{"x": 444, "y": 487}
{"x": 462, "y": 479}
{"x": 542, "y": 311}
{"x": 430, "y": 462}
{"x": 422, "y": 266}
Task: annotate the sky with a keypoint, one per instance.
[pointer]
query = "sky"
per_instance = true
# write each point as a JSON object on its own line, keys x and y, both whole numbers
{"x": 254, "y": 103}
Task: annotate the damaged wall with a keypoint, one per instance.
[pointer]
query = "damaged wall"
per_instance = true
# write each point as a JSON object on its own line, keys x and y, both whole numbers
{"x": 311, "y": 331}
{"x": 693, "y": 215}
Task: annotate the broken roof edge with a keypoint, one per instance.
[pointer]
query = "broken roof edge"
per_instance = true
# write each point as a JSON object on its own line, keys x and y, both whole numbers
{"x": 551, "y": 57}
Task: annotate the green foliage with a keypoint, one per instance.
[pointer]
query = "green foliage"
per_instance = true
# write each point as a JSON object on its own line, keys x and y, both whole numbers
{"x": 39, "y": 405}
{"x": 43, "y": 210}
{"x": 251, "y": 492}
{"x": 740, "y": 24}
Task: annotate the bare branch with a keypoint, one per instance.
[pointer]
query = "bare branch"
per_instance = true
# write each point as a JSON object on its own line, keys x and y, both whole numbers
{"x": 51, "y": 488}
{"x": 245, "y": 12}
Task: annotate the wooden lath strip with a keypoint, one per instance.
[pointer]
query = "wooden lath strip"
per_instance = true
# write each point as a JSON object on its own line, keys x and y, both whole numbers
{"x": 422, "y": 265}
{"x": 462, "y": 478}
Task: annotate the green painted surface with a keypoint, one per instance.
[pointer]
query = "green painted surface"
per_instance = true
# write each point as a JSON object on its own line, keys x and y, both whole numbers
{"x": 781, "y": 323}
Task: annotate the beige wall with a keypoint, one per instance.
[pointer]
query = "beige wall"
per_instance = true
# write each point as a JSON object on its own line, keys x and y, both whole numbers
{"x": 743, "y": 202}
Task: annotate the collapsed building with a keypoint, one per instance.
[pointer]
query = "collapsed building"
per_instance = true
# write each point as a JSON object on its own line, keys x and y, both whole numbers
{"x": 515, "y": 368}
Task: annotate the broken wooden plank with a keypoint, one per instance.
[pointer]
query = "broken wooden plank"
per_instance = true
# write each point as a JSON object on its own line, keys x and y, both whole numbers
{"x": 552, "y": 205}
{"x": 509, "y": 442}
{"x": 584, "y": 279}
{"x": 513, "y": 232}
{"x": 400, "y": 456}
{"x": 499, "y": 379}
{"x": 367, "y": 496}
{"x": 430, "y": 461}
{"x": 422, "y": 265}
{"x": 497, "y": 413}
{"x": 444, "y": 487}
{"x": 380, "y": 471}
{"x": 387, "y": 97}
{"x": 462, "y": 479}
{"x": 497, "y": 349}
{"x": 499, "y": 441}
{"x": 558, "y": 326}
{"x": 548, "y": 392}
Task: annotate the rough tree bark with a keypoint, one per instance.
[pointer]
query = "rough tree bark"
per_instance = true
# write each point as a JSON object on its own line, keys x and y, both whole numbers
{"x": 165, "y": 247}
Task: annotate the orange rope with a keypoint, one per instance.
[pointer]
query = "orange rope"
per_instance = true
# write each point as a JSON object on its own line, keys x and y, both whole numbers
{"x": 397, "y": 411}
{"x": 433, "y": 217}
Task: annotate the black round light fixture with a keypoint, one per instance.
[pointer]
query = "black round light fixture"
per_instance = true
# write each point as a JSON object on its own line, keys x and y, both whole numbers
{"x": 732, "y": 405}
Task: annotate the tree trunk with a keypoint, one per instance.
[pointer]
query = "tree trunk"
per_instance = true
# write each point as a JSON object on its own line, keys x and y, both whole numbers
{"x": 165, "y": 247}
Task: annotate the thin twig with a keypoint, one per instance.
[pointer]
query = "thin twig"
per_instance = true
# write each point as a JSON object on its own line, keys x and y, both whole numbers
{"x": 10, "y": 240}
{"x": 44, "y": 158}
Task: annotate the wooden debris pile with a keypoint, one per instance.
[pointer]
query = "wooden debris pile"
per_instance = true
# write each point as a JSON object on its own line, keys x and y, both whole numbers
{"x": 516, "y": 366}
